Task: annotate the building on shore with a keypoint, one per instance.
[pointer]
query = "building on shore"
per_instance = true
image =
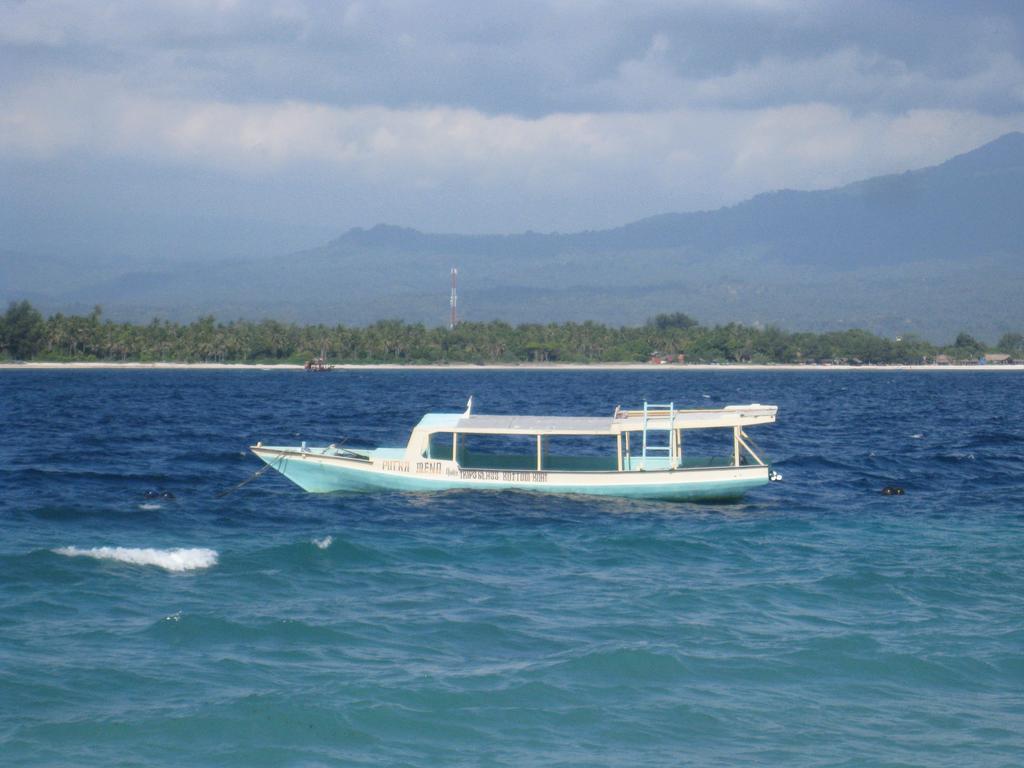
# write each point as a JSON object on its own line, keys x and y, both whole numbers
{"x": 998, "y": 358}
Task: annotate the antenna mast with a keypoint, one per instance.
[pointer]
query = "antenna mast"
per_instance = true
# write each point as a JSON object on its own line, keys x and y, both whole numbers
{"x": 453, "y": 318}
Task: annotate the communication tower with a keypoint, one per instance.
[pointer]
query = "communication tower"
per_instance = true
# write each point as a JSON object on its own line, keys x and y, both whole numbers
{"x": 453, "y": 318}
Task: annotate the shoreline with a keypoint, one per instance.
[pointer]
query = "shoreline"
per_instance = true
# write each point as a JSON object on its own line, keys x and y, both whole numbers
{"x": 632, "y": 367}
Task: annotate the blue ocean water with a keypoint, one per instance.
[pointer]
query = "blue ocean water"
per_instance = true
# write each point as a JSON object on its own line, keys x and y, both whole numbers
{"x": 817, "y": 623}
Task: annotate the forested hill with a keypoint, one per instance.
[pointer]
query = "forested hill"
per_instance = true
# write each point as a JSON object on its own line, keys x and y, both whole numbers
{"x": 930, "y": 252}
{"x": 669, "y": 338}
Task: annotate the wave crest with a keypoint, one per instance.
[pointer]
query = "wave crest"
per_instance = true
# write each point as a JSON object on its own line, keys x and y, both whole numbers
{"x": 180, "y": 559}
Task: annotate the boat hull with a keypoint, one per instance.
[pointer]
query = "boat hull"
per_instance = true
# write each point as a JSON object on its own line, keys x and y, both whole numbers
{"x": 320, "y": 471}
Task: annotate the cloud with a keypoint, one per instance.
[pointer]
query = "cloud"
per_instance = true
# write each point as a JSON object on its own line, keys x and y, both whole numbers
{"x": 477, "y": 117}
{"x": 697, "y": 157}
{"x": 848, "y": 76}
{"x": 532, "y": 58}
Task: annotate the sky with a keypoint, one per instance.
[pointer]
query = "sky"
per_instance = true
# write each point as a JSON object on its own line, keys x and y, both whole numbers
{"x": 192, "y": 130}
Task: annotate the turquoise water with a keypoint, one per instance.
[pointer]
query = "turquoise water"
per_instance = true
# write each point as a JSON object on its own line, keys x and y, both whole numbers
{"x": 817, "y": 623}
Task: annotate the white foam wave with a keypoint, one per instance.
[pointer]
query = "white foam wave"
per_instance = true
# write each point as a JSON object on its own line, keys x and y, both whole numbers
{"x": 181, "y": 559}
{"x": 325, "y": 542}
{"x": 149, "y": 506}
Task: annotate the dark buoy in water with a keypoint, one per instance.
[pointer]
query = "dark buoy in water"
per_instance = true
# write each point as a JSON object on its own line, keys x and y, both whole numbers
{"x": 168, "y": 495}
{"x": 892, "y": 490}
{"x": 151, "y": 495}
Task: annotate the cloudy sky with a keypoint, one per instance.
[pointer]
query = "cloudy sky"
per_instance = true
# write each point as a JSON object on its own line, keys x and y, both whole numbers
{"x": 191, "y": 129}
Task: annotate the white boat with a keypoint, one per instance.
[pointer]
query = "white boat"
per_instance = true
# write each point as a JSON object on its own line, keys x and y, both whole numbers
{"x": 646, "y": 455}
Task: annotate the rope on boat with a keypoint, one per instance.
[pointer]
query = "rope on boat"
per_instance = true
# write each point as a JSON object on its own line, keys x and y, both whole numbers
{"x": 249, "y": 479}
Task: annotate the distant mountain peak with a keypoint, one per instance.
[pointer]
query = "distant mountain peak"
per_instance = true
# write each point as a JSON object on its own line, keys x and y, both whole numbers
{"x": 1006, "y": 151}
{"x": 379, "y": 234}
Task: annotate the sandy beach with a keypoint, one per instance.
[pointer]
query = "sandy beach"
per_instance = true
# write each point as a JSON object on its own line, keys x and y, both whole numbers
{"x": 497, "y": 367}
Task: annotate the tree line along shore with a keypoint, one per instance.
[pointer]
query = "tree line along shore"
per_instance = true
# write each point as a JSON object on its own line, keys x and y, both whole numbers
{"x": 26, "y": 335}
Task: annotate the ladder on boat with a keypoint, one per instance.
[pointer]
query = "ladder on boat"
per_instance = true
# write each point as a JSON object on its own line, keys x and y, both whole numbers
{"x": 660, "y": 411}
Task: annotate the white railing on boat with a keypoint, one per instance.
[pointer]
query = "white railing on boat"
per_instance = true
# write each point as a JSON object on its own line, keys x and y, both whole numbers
{"x": 663, "y": 417}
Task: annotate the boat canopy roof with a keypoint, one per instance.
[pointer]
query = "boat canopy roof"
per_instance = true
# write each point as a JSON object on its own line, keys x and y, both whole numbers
{"x": 620, "y": 421}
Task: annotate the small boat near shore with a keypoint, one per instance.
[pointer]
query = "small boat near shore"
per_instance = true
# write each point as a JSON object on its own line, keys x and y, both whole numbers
{"x": 644, "y": 456}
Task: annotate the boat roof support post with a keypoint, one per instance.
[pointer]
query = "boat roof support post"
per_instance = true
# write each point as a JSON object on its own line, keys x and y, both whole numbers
{"x": 743, "y": 437}
{"x": 455, "y": 446}
{"x": 540, "y": 452}
{"x": 735, "y": 446}
{"x": 643, "y": 442}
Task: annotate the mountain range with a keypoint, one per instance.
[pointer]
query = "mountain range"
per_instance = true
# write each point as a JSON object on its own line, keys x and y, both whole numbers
{"x": 931, "y": 251}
